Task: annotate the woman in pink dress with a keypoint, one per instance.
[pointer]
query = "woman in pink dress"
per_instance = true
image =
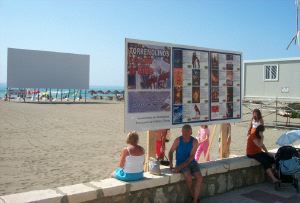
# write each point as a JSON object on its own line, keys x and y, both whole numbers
{"x": 203, "y": 141}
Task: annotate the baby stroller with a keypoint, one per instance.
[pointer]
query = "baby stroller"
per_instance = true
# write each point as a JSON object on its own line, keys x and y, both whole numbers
{"x": 287, "y": 165}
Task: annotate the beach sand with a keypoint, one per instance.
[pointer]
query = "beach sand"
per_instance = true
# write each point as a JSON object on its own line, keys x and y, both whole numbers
{"x": 50, "y": 145}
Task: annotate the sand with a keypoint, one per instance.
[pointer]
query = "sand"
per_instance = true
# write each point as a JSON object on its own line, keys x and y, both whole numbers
{"x": 51, "y": 145}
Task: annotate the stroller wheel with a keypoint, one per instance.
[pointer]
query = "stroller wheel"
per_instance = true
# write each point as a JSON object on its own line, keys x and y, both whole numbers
{"x": 296, "y": 185}
{"x": 276, "y": 185}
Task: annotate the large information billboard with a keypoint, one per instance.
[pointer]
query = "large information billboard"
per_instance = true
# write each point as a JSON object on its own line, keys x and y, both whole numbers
{"x": 45, "y": 69}
{"x": 169, "y": 85}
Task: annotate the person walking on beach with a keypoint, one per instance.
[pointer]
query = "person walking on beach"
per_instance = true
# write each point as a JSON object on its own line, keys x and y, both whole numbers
{"x": 256, "y": 120}
{"x": 203, "y": 143}
{"x": 131, "y": 164}
{"x": 185, "y": 147}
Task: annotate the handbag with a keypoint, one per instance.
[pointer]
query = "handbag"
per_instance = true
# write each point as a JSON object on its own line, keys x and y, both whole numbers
{"x": 165, "y": 162}
{"x": 154, "y": 166}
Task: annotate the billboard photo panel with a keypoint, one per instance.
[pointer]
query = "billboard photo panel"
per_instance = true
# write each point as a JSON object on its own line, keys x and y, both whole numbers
{"x": 169, "y": 85}
{"x": 147, "y": 84}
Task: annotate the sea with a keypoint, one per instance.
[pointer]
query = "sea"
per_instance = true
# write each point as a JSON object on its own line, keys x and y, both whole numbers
{"x": 65, "y": 91}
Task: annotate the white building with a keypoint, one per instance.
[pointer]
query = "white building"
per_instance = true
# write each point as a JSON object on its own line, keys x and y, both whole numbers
{"x": 272, "y": 78}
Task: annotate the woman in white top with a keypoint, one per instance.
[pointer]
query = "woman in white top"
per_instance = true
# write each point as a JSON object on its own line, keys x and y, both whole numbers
{"x": 256, "y": 120}
{"x": 131, "y": 165}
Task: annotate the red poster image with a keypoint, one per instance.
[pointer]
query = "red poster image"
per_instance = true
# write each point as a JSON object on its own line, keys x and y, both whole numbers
{"x": 148, "y": 66}
{"x": 215, "y": 77}
{"x": 196, "y": 95}
{"x": 178, "y": 95}
{"x": 215, "y": 94}
{"x": 177, "y": 76}
{"x": 215, "y": 109}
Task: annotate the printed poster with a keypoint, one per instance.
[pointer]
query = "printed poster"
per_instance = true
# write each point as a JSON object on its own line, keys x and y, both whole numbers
{"x": 148, "y": 85}
{"x": 170, "y": 85}
{"x": 225, "y": 86}
{"x": 190, "y": 86}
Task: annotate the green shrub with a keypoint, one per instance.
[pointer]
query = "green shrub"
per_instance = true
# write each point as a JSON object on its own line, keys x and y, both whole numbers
{"x": 295, "y": 114}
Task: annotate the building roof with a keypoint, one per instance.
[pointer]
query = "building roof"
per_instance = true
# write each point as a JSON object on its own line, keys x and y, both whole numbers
{"x": 272, "y": 60}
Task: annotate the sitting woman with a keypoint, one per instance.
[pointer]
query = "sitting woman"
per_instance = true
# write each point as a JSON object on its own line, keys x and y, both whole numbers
{"x": 255, "y": 146}
{"x": 131, "y": 165}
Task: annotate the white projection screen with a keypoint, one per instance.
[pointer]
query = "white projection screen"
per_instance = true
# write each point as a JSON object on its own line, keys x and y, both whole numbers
{"x": 45, "y": 69}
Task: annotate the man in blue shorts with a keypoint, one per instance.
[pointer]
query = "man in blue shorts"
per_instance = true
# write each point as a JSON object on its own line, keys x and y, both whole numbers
{"x": 185, "y": 147}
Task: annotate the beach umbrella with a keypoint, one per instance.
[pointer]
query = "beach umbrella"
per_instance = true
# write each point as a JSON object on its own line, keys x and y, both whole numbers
{"x": 100, "y": 92}
{"x": 92, "y": 92}
{"x": 116, "y": 92}
{"x": 108, "y": 92}
{"x": 288, "y": 138}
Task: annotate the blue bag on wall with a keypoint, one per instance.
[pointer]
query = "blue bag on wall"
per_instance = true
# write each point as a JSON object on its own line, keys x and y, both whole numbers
{"x": 290, "y": 166}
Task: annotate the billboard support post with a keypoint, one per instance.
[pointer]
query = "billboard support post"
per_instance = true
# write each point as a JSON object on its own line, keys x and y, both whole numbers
{"x": 225, "y": 139}
{"x": 60, "y": 94}
{"x": 24, "y": 93}
{"x": 50, "y": 96}
{"x": 8, "y": 93}
{"x": 33, "y": 98}
{"x": 150, "y": 151}
{"x": 211, "y": 141}
{"x": 56, "y": 94}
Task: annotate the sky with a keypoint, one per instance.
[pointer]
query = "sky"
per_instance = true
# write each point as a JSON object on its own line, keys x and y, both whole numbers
{"x": 259, "y": 29}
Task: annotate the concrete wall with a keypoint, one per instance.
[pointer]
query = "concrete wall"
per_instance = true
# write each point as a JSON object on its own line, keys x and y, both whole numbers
{"x": 219, "y": 177}
{"x": 255, "y": 87}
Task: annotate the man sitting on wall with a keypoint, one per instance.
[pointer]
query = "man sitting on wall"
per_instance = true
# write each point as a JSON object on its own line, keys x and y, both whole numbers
{"x": 185, "y": 147}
